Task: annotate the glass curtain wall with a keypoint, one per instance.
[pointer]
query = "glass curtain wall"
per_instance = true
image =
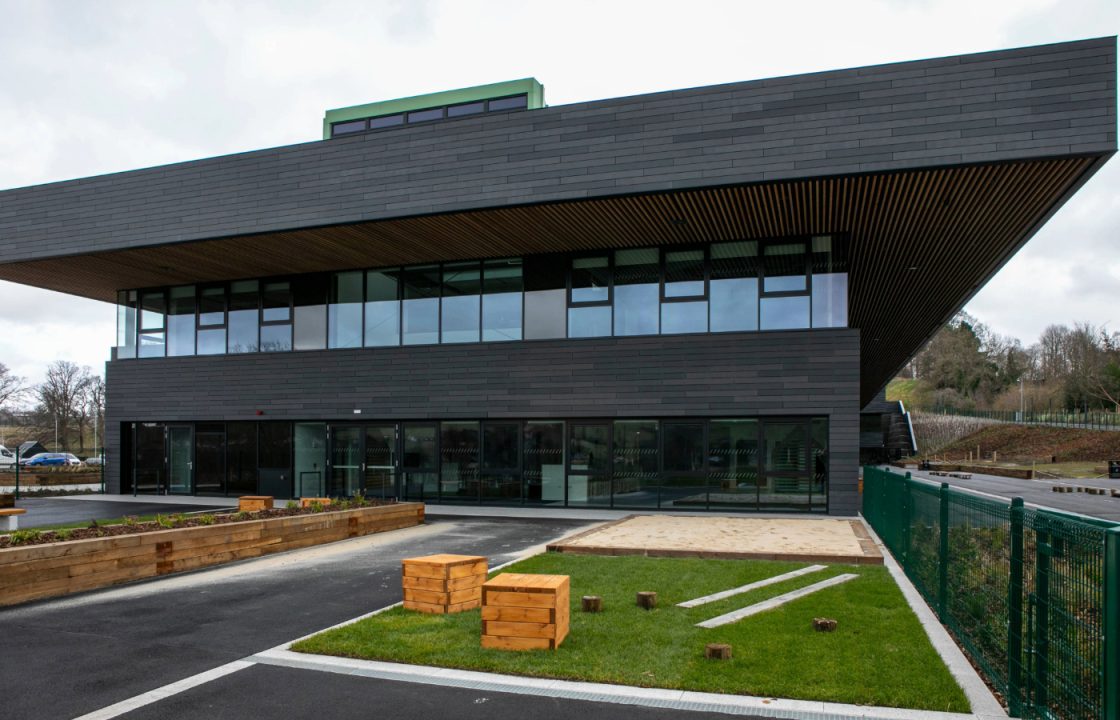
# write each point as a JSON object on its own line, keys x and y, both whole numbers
{"x": 779, "y": 464}
{"x": 344, "y": 319}
{"x": 739, "y": 286}
{"x": 180, "y": 321}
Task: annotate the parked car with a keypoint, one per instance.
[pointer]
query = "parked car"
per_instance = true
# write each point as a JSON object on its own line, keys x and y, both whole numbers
{"x": 45, "y": 459}
{"x": 7, "y": 457}
{"x": 95, "y": 460}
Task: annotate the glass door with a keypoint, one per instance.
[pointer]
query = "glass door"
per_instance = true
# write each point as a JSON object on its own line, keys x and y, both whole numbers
{"x": 150, "y": 461}
{"x": 209, "y": 458}
{"x": 589, "y": 468}
{"x": 310, "y": 459}
{"x": 180, "y": 459}
{"x": 346, "y": 461}
{"x": 419, "y": 462}
{"x": 380, "y": 467}
{"x": 787, "y": 474}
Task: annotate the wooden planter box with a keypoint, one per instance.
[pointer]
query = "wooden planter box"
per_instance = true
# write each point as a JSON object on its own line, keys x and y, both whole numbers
{"x": 525, "y": 612}
{"x": 42, "y": 571}
{"x": 442, "y": 584}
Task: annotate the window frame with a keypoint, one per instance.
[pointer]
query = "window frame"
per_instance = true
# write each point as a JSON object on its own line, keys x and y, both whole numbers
{"x": 609, "y": 302}
{"x": 706, "y": 262}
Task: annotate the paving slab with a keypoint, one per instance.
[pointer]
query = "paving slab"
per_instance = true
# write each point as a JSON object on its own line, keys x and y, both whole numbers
{"x": 798, "y": 539}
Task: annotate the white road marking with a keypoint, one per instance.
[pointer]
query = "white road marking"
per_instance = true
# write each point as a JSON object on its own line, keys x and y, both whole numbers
{"x": 133, "y": 703}
{"x": 775, "y": 601}
{"x": 751, "y": 586}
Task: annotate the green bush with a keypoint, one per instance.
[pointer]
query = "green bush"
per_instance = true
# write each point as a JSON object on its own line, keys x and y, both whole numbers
{"x": 206, "y": 519}
{"x": 19, "y": 537}
{"x": 292, "y": 505}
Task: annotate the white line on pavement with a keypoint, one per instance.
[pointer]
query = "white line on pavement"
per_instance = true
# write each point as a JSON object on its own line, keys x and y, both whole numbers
{"x": 775, "y": 601}
{"x": 751, "y": 586}
{"x": 166, "y": 691}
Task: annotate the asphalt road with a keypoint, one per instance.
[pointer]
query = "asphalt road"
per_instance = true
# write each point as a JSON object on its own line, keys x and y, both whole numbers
{"x": 1038, "y": 492}
{"x": 45, "y": 511}
{"x": 67, "y": 657}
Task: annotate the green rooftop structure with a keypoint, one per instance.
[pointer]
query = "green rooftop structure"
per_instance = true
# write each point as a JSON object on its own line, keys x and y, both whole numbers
{"x": 524, "y": 94}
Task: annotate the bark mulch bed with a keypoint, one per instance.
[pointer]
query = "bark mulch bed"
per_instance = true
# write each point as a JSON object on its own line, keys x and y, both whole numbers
{"x": 32, "y": 536}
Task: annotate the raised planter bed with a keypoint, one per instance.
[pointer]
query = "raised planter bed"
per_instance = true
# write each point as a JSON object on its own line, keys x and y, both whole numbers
{"x": 34, "y": 572}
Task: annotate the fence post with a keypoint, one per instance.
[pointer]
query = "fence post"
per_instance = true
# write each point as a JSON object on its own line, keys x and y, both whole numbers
{"x": 1043, "y": 551}
{"x": 943, "y": 553}
{"x": 1015, "y": 613}
{"x": 905, "y": 534}
{"x": 1112, "y": 624}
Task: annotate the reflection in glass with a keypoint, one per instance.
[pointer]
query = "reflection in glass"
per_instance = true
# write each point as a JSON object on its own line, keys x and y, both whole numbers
{"x": 543, "y": 462}
{"x": 211, "y": 321}
{"x": 148, "y": 468}
{"x": 244, "y": 314}
{"x": 310, "y": 448}
{"x": 785, "y": 268}
{"x": 180, "y": 321}
{"x": 276, "y": 338}
{"x": 126, "y": 324}
{"x": 591, "y": 279}
{"x": 594, "y": 321}
{"x": 419, "y": 462}
{"x": 420, "y": 309}
{"x": 734, "y": 286}
{"x": 241, "y": 458}
{"x": 344, "y": 315}
{"x": 636, "y": 475}
{"x": 462, "y": 284}
{"x": 684, "y": 482}
{"x": 636, "y": 292}
{"x": 684, "y": 317}
{"x": 276, "y": 302}
{"x": 589, "y": 465}
{"x": 310, "y": 317}
{"x": 784, "y": 313}
{"x": 818, "y": 448}
{"x": 684, "y": 273}
{"x": 459, "y": 450}
{"x": 501, "y": 477}
{"x": 380, "y": 461}
{"x": 209, "y": 455}
{"x": 383, "y": 319}
{"x": 180, "y": 466}
{"x": 346, "y": 461}
{"x": 733, "y": 463}
{"x": 830, "y": 300}
{"x": 152, "y": 337}
{"x": 501, "y": 300}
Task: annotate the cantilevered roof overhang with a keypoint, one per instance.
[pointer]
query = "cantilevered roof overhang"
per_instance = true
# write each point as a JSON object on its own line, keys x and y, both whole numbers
{"x": 937, "y": 170}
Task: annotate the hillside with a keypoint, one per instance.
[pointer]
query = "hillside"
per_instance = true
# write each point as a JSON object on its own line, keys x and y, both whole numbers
{"x": 1025, "y": 443}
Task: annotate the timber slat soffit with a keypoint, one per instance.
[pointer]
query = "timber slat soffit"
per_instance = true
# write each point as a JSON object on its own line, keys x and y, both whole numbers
{"x": 954, "y": 226}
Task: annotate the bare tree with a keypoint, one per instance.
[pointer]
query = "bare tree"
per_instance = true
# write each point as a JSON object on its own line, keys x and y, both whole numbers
{"x": 61, "y": 396}
{"x": 12, "y": 388}
{"x": 91, "y": 411}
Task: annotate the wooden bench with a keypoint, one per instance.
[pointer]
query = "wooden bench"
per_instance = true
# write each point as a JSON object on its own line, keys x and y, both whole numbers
{"x": 309, "y": 501}
{"x": 525, "y": 612}
{"x": 442, "y": 584}
{"x": 9, "y": 518}
{"x": 255, "y": 503}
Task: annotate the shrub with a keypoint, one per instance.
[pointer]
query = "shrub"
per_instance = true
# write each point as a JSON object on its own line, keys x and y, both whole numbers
{"x": 316, "y": 507}
{"x": 241, "y": 515}
{"x": 130, "y": 520}
{"x": 206, "y": 519}
{"x": 165, "y": 522}
{"x": 20, "y": 537}
{"x": 63, "y": 534}
{"x": 292, "y": 505}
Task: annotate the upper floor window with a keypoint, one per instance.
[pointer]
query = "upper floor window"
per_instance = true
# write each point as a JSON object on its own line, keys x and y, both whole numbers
{"x": 503, "y": 104}
{"x": 736, "y": 286}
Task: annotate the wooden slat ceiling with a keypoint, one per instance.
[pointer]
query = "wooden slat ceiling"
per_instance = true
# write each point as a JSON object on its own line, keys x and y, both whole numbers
{"x": 955, "y": 225}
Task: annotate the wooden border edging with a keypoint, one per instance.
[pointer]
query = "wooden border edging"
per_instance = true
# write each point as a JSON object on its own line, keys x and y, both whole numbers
{"x": 35, "y": 572}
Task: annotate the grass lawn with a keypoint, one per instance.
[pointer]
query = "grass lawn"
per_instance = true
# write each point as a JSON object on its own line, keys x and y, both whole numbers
{"x": 879, "y": 654}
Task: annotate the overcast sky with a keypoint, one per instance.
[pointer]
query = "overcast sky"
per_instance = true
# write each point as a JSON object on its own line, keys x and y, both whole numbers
{"x": 94, "y": 87}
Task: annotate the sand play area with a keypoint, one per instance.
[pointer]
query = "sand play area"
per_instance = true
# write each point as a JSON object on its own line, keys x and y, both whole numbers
{"x": 805, "y": 539}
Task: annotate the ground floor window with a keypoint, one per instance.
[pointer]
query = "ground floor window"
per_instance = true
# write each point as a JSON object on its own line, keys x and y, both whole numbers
{"x": 760, "y": 463}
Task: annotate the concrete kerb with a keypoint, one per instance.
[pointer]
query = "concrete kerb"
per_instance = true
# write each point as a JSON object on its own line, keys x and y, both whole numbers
{"x": 984, "y": 704}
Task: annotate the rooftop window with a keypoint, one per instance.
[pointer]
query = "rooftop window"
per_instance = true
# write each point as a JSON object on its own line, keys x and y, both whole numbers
{"x": 423, "y": 115}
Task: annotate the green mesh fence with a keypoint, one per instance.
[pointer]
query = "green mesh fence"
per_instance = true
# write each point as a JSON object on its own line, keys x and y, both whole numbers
{"x": 1031, "y": 594}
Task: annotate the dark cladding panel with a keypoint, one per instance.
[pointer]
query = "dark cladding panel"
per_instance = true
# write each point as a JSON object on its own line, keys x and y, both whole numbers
{"x": 1046, "y": 101}
{"x": 729, "y": 375}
